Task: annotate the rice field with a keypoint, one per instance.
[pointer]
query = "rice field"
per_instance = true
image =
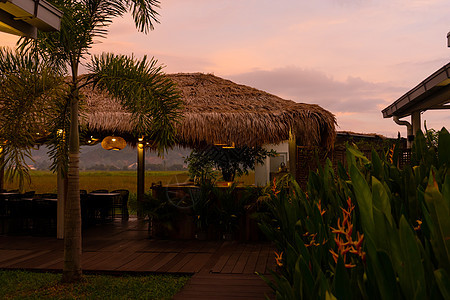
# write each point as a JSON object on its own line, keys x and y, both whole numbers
{"x": 45, "y": 181}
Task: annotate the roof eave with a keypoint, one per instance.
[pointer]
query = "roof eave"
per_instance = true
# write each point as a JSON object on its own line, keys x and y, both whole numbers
{"x": 431, "y": 92}
{"x": 25, "y": 17}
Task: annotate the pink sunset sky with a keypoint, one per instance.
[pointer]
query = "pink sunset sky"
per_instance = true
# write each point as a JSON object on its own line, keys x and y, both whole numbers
{"x": 352, "y": 57}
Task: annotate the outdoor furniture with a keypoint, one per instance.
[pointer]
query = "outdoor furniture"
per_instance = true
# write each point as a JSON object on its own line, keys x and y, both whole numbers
{"x": 20, "y": 218}
{"x": 99, "y": 206}
{"x": 44, "y": 216}
{"x": 121, "y": 203}
{"x": 4, "y": 215}
{"x": 5, "y": 211}
{"x": 29, "y": 194}
{"x": 49, "y": 196}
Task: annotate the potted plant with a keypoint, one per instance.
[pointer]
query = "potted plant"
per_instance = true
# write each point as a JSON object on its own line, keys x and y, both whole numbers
{"x": 230, "y": 210}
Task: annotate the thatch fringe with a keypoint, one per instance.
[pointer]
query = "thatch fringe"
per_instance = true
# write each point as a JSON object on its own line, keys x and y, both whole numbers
{"x": 218, "y": 110}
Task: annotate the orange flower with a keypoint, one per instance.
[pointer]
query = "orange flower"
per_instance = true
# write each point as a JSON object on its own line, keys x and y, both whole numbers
{"x": 319, "y": 205}
{"x": 279, "y": 259}
{"x": 419, "y": 225}
{"x": 274, "y": 187}
{"x": 343, "y": 238}
{"x": 391, "y": 154}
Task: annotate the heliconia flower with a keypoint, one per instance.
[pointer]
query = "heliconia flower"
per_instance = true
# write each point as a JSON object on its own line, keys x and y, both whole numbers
{"x": 279, "y": 258}
{"x": 391, "y": 154}
{"x": 319, "y": 205}
{"x": 359, "y": 241}
{"x": 419, "y": 225}
{"x": 274, "y": 187}
{"x": 343, "y": 237}
{"x": 334, "y": 255}
{"x": 349, "y": 266}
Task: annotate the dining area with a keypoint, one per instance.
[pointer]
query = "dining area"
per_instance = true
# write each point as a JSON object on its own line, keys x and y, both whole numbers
{"x": 35, "y": 214}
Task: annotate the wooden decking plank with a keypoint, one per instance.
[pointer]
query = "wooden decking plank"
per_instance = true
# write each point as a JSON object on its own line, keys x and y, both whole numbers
{"x": 233, "y": 259}
{"x": 177, "y": 267}
{"x": 193, "y": 246}
{"x": 116, "y": 246}
{"x": 35, "y": 261}
{"x": 51, "y": 263}
{"x": 136, "y": 246}
{"x": 238, "y": 281}
{"x": 222, "y": 260}
{"x": 13, "y": 262}
{"x": 168, "y": 256}
{"x": 132, "y": 234}
{"x": 7, "y": 255}
{"x": 225, "y": 286}
{"x": 137, "y": 263}
{"x": 112, "y": 261}
{"x": 221, "y": 256}
{"x": 89, "y": 258}
{"x": 261, "y": 263}
{"x": 170, "y": 264}
{"x": 242, "y": 261}
{"x": 96, "y": 244}
{"x": 162, "y": 246}
{"x": 211, "y": 246}
{"x": 252, "y": 260}
{"x": 196, "y": 263}
{"x": 271, "y": 262}
{"x": 217, "y": 249}
{"x": 157, "y": 261}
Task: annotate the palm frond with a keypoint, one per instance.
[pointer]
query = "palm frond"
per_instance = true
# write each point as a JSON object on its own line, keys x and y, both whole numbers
{"x": 26, "y": 98}
{"x": 144, "y": 14}
{"x": 144, "y": 91}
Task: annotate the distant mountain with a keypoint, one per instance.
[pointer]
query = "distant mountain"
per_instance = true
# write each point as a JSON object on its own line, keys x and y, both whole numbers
{"x": 97, "y": 158}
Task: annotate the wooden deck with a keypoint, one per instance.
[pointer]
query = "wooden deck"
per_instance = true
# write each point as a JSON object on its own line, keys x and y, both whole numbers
{"x": 222, "y": 269}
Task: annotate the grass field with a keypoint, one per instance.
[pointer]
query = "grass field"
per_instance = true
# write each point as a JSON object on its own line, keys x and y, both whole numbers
{"x": 45, "y": 181}
{"x": 29, "y": 285}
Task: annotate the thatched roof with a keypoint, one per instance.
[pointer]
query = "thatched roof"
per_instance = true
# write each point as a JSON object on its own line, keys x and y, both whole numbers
{"x": 218, "y": 110}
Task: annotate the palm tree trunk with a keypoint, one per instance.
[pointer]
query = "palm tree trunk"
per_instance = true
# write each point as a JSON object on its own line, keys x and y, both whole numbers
{"x": 72, "y": 215}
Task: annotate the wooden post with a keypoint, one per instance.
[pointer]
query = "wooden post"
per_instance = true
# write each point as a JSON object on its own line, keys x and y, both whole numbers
{"x": 415, "y": 120}
{"x": 292, "y": 154}
{"x": 140, "y": 175}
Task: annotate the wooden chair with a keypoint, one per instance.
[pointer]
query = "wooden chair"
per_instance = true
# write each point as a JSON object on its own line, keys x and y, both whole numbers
{"x": 122, "y": 203}
{"x": 99, "y": 191}
{"x": 44, "y": 217}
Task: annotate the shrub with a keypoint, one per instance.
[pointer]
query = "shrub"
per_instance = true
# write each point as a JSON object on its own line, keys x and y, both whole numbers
{"x": 367, "y": 231}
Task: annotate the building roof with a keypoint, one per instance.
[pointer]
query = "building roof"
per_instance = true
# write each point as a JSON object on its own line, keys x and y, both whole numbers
{"x": 25, "y": 17}
{"x": 431, "y": 93}
{"x": 219, "y": 110}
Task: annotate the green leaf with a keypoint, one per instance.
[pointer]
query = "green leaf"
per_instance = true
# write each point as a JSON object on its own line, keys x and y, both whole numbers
{"x": 307, "y": 278}
{"x": 341, "y": 284}
{"x": 384, "y": 274}
{"x": 377, "y": 165}
{"x": 329, "y": 296}
{"x": 357, "y": 154}
{"x": 443, "y": 147}
{"x": 364, "y": 199}
{"x": 381, "y": 199}
{"x": 443, "y": 281}
{"x": 440, "y": 217}
{"x": 411, "y": 273}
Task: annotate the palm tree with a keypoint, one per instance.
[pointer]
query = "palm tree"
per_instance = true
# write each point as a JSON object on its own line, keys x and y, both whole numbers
{"x": 138, "y": 85}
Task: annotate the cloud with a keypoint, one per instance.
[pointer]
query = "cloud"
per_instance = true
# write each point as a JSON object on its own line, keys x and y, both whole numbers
{"x": 353, "y": 95}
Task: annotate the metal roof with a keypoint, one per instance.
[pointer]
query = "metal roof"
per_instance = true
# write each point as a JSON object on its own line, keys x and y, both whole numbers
{"x": 25, "y": 17}
{"x": 432, "y": 93}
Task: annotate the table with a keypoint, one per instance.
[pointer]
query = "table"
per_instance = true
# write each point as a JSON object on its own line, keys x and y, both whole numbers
{"x": 98, "y": 207}
{"x": 6, "y": 195}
